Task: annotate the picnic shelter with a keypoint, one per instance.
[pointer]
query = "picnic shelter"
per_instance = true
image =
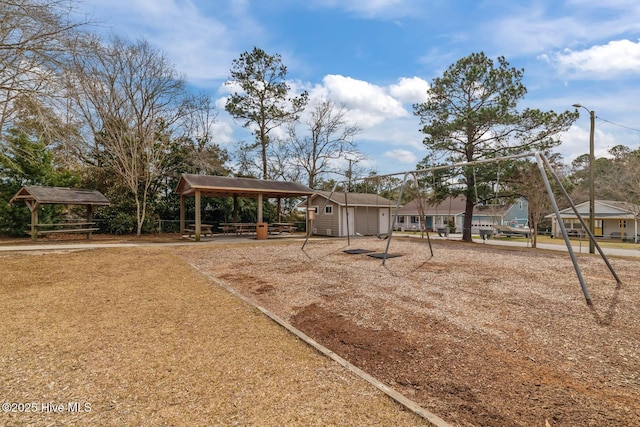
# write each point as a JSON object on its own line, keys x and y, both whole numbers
{"x": 34, "y": 196}
{"x": 198, "y": 186}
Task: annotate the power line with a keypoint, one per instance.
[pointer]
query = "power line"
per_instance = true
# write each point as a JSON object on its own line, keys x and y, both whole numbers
{"x": 617, "y": 124}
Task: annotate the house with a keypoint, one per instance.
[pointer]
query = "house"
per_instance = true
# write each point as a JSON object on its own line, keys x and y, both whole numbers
{"x": 612, "y": 219}
{"x": 450, "y": 213}
{"x": 367, "y": 214}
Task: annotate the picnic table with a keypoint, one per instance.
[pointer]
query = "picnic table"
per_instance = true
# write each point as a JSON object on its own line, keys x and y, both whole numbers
{"x": 282, "y": 227}
{"x": 238, "y": 228}
{"x": 66, "y": 227}
{"x": 205, "y": 229}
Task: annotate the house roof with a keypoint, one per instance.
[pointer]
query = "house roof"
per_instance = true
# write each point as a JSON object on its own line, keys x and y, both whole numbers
{"x": 59, "y": 195}
{"x": 449, "y": 206}
{"x": 357, "y": 199}
{"x": 225, "y": 186}
{"x": 603, "y": 209}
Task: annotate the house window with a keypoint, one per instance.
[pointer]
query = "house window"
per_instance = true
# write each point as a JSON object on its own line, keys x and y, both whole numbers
{"x": 623, "y": 223}
{"x": 328, "y": 210}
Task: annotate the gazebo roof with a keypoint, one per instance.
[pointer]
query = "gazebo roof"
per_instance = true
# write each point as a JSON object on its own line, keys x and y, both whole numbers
{"x": 59, "y": 195}
{"x": 225, "y": 186}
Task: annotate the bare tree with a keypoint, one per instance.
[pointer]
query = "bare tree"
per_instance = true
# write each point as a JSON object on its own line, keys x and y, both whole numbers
{"x": 36, "y": 38}
{"x": 330, "y": 137}
{"x": 132, "y": 99}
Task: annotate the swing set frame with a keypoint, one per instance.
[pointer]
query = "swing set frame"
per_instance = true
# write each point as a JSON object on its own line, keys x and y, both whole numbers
{"x": 544, "y": 167}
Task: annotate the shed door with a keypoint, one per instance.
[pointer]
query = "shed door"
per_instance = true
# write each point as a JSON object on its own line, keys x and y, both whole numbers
{"x": 384, "y": 221}
{"x": 352, "y": 223}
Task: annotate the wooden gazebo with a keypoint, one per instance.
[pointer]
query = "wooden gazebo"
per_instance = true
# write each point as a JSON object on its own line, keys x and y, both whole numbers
{"x": 224, "y": 186}
{"x": 34, "y": 196}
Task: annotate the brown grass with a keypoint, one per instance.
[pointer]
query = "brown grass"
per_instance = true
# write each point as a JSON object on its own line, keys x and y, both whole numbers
{"x": 145, "y": 340}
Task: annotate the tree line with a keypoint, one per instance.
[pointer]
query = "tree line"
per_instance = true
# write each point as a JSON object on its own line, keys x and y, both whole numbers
{"x": 115, "y": 115}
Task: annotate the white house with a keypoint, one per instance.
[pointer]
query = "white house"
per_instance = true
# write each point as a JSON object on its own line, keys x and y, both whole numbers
{"x": 450, "y": 213}
{"x": 613, "y": 219}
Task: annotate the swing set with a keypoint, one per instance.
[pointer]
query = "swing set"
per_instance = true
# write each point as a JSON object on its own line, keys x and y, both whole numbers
{"x": 412, "y": 177}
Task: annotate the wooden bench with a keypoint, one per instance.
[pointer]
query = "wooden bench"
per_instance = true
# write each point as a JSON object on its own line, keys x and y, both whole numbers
{"x": 443, "y": 231}
{"x": 67, "y": 227}
{"x": 485, "y": 234}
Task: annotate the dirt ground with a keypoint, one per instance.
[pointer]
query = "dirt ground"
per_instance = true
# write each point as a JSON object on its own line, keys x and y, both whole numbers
{"x": 477, "y": 334}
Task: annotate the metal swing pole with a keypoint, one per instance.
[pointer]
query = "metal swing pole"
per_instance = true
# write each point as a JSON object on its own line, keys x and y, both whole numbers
{"x": 421, "y": 211}
{"x": 541, "y": 166}
{"x": 584, "y": 225}
{"x": 395, "y": 216}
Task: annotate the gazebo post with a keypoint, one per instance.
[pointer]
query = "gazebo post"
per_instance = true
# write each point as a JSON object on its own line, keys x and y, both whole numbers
{"x": 33, "y": 207}
{"x": 235, "y": 207}
{"x": 182, "y": 213}
{"x": 89, "y": 218}
{"x": 198, "y": 215}
{"x": 308, "y": 216}
{"x": 279, "y": 209}
{"x": 260, "y": 201}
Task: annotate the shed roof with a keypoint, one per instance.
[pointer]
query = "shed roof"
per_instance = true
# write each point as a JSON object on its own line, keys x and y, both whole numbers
{"x": 357, "y": 199}
{"x": 59, "y": 195}
{"x": 225, "y": 186}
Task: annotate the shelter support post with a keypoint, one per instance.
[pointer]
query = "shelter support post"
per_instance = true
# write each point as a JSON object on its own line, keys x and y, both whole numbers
{"x": 260, "y": 207}
{"x": 279, "y": 209}
{"x": 235, "y": 208}
{"x": 33, "y": 207}
{"x": 198, "y": 216}
{"x": 309, "y": 222}
{"x": 182, "y": 213}
{"x": 89, "y": 218}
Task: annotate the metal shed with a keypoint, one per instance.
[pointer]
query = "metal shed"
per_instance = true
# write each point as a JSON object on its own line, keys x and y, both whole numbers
{"x": 224, "y": 186}
{"x": 34, "y": 196}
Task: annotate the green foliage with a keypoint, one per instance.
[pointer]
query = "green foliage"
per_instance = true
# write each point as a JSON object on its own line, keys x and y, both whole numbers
{"x": 25, "y": 160}
{"x": 263, "y": 102}
{"x": 472, "y": 114}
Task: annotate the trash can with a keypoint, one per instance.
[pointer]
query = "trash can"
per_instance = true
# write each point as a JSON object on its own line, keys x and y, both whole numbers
{"x": 262, "y": 231}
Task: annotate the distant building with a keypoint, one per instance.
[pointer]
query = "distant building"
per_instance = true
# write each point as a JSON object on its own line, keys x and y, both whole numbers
{"x": 613, "y": 219}
{"x": 360, "y": 214}
{"x": 450, "y": 213}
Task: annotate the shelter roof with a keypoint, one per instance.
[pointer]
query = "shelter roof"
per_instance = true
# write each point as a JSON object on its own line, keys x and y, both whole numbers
{"x": 59, "y": 195}
{"x": 357, "y": 199}
{"x": 225, "y": 186}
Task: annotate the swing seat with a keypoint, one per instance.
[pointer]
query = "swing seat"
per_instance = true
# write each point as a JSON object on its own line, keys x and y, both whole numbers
{"x": 382, "y": 236}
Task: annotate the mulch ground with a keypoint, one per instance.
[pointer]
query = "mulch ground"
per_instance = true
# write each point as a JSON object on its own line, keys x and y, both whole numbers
{"x": 480, "y": 335}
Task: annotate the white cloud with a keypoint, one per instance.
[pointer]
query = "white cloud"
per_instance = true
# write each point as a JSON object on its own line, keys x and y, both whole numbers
{"x": 367, "y": 103}
{"x": 402, "y": 156}
{"x": 603, "y": 61}
{"x": 385, "y": 9}
{"x": 201, "y": 44}
{"x": 410, "y": 90}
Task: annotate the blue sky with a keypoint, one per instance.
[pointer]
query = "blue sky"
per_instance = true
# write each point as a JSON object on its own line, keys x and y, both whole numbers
{"x": 378, "y": 57}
